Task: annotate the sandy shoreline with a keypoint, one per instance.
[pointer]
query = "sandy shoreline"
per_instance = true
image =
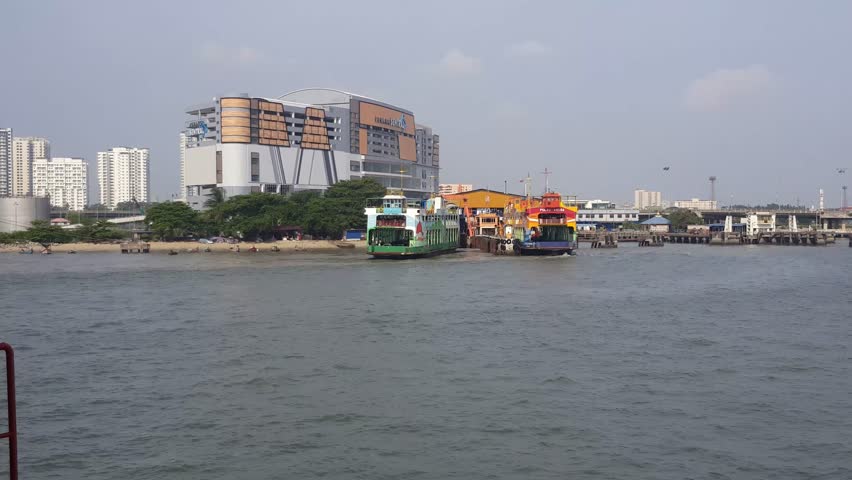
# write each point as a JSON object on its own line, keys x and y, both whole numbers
{"x": 184, "y": 247}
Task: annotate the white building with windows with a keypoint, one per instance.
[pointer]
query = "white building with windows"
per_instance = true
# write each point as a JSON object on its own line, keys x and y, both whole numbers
{"x": 24, "y": 151}
{"x": 182, "y": 150}
{"x": 64, "y": 180}
{"x": 5, "y": 162}
{"x": 453, "y": 188}
{"x": 604, "y": 215}
{"x": 696, "y": 204}
{"x": 123, "y": 175}
{"x": 643, "y": 199}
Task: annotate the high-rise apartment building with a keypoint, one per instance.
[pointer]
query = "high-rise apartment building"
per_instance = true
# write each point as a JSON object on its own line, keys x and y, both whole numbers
{"x": 182, "y": 149}
{"x": 123, "y": 175}
{"x": 24, "y": 151}
{"x": 64, "y": 180}
{"x": 453, "y": 188}
{"x": 646, "y": 199}
{"x": 5, "y": 162}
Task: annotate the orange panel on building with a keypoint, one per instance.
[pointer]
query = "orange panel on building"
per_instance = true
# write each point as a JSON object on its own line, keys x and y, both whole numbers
{"x": 383, "y": 117}
{"x": 407, "y": 148}
{"x": 235, "y": 102}
{"x": 362, "y": 141}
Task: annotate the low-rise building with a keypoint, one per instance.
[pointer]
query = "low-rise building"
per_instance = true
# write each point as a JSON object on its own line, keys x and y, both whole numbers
{"x": 604, "y": 215}
{"x": 696, "y": 204}
{"x": 657, "y": 224}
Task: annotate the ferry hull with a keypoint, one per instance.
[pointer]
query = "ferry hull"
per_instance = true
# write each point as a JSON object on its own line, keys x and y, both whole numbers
{"x": 544, "y": 248}
{"x": 400, "y": 253}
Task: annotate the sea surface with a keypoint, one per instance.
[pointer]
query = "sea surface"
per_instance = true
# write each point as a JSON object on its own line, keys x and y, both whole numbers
{"x": 680, "y": 362}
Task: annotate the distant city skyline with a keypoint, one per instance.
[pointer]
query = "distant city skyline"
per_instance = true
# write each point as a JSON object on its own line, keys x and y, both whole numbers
{"x": 605, "y": 95}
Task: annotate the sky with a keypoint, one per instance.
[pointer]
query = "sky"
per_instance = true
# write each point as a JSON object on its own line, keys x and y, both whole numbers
{"x": 603, "y": 94}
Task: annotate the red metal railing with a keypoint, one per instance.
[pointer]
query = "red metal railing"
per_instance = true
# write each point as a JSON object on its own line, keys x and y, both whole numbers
{"x": 12, "y": 434}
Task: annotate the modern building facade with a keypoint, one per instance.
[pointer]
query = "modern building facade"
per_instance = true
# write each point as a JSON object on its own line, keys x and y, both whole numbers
{"x": 647, "y": 199}
{"x": 5, "y": 162}
{"x": 123, "y": 174}
{"x": 305, "y": 140}
{"x": 24, "y": 151}
{"x": 453, "y": 188}
{"x": 696, "y": 204}
{"x": 63, "y": 180}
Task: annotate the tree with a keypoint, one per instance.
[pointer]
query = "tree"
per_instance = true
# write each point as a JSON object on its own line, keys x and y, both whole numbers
{"x": 215, "y": 198}
{"x": 45, "y": 234}
{"x": 681, "y": 218}
{"x": 172, "y": 220}
{"x": 102, "y": 231}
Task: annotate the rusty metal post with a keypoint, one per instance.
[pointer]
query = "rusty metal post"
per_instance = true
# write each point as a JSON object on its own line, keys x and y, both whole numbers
{"x": 12, "y": 434}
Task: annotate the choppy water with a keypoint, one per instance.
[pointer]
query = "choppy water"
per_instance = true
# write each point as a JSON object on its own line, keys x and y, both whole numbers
{"x": 680, "y": 362}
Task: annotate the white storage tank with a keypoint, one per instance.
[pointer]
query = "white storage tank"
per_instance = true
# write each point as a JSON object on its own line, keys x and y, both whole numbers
{"x": 18, "y": 213}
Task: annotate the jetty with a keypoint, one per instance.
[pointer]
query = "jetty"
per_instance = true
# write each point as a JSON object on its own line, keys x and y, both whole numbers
{"x": 135, "y": 247}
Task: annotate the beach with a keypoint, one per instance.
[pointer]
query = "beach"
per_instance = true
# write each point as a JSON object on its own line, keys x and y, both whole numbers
{"x": 185, "y": 247}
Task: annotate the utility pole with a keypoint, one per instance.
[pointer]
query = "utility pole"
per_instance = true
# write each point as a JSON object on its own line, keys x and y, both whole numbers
{"x": 713, "y": 188}
{"x": 546, "y": 174}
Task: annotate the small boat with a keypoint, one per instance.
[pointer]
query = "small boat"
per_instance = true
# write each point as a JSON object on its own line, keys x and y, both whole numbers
{"x": 275, "y": 248}
{"x": 252, "y": 249}
{"x": 173, "y": 252}
{"x": 71, "y": 252}
{"x": 26, "y": 251}
{"x": 345, "y": 245}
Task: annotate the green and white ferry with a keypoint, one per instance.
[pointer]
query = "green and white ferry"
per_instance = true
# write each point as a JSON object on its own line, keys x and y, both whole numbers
{"x": 398, "y": 227}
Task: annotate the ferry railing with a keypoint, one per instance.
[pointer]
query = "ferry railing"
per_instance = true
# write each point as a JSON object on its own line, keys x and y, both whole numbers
{"x": 12, "y": 434}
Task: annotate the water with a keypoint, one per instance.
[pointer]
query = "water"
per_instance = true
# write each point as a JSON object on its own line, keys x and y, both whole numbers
{"x": 679, "y": 362}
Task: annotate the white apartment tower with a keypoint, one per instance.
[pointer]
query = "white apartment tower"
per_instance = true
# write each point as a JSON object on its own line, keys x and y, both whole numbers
{"x": 453, "y": 188}
{"x": 24, "y": 151}
{"x": 5, "y": 162}
{"x": 646, "y": 199}
{"x": 182, "y": 148}
{"x": 64, "y": 180}
{"x": 123, "y": 175}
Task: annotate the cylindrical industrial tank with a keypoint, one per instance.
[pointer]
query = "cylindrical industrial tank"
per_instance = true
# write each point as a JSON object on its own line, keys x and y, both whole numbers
{"x": 18, "y": 213}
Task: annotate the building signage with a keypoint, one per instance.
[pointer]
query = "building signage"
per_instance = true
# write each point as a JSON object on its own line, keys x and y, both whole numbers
{"x": 196, "y": 129}
{"x": 398, "y": 123}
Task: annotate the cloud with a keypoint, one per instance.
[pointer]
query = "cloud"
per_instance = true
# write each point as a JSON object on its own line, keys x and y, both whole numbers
{"x": 220, "y": 54}
{"x": 727, "y": 88}
{"x": 529, "y": 48}
{"x": 456, "y": 63}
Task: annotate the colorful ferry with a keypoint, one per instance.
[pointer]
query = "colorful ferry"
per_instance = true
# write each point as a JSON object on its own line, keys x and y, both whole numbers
{"x": 545, "y": 226}
{"x": 398, "y": 227}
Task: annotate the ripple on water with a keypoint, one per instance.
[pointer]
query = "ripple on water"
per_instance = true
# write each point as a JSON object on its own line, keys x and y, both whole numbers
{"x": 468, "y": 366}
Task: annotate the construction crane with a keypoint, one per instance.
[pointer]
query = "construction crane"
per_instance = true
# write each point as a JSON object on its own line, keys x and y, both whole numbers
{"x": 139, "y": 206}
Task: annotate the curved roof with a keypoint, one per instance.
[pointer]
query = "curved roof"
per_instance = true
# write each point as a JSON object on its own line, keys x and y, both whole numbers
{"x": 658, "y": 220}
{"x": 330, "y": 96}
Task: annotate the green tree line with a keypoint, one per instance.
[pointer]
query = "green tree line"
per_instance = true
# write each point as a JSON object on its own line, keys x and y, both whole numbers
{"x": 260, "y": 215}
{"x": 45, "y": 234}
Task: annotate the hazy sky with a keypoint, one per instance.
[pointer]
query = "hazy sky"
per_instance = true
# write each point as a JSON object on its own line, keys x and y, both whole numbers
{"x": 605, "y": 94}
